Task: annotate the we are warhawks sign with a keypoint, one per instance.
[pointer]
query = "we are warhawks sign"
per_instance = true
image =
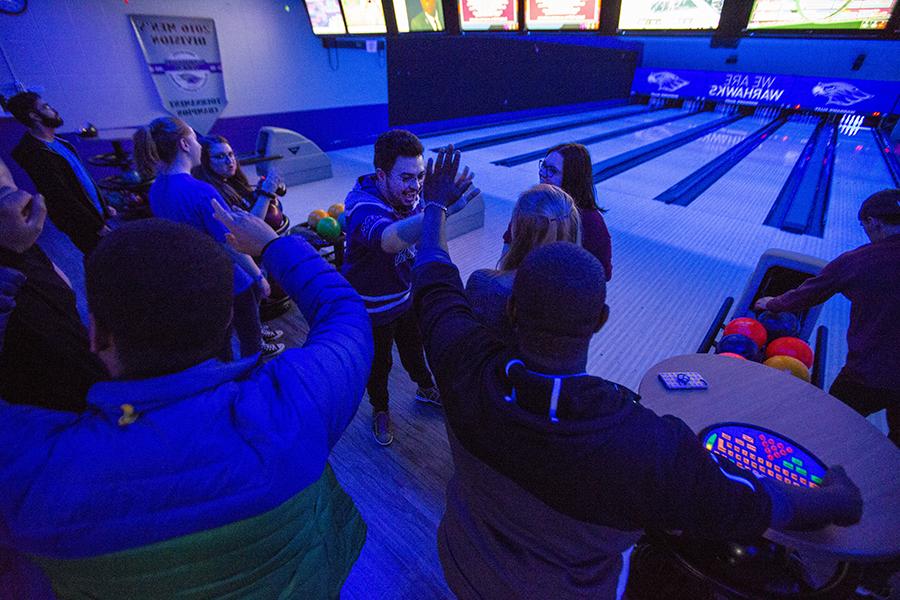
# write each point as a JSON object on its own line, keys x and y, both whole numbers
{"x": 182, "y": 54}
{"x": 822, "y": 94}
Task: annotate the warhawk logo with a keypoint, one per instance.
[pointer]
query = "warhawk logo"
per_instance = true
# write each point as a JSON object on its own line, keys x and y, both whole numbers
{"x": 840, "y": 93}
{"x": 666, "y": 81}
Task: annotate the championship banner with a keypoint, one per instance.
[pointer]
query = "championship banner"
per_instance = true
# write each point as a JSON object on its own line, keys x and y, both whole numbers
{"x": 824, "y": 94}
{"x": 182, "y": 54}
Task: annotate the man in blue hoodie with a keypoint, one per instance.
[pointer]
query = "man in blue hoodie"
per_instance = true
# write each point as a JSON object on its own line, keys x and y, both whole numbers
{"x": 384, "y": 221}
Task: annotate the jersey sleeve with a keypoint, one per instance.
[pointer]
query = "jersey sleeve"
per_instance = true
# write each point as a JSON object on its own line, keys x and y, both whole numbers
{"x": 367, "y": 222}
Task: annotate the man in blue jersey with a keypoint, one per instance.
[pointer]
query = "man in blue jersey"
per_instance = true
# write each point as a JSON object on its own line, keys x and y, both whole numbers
{"x": 384, "y": 222}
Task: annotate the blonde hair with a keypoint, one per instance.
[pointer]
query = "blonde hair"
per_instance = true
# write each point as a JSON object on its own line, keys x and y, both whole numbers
{"x": 156, "y": 145}
{"x": 543, "y": 214}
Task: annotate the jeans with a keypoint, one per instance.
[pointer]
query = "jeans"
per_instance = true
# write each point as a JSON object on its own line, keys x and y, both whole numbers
{"x": 246, "y": 321}
{"x": 866, "y": 400}
{"x": 405, "y": 331}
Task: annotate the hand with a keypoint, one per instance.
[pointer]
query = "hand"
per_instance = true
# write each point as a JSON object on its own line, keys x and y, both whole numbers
{"x": 270, "y": 183}
{"x": 265, "y": 289}
{"x": 847, "y": 498}
{"x": 21, "y": 218}
{"x": 469, "y": 195}
{"x": 762, "y": 303}
{"x": 248, "y": 234}
{"x": 442, "y": 186}
{"x": 111, "y": 212}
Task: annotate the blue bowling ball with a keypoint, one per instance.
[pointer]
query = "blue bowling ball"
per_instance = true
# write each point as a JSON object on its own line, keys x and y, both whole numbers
{"x": 738, "y": 344}
{"x": 778, "y": 325}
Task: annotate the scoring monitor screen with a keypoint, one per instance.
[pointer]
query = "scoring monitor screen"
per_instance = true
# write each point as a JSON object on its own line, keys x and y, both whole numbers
{"x": 364, "y": 16}
{"x": 860, "y": 15}
{"x": 326, "y": 17}
{"x": 555, "y": 15}
{"x": 419, "y": 15}
{"x": 488, "y": 15}
{"x": 670, "y": 14}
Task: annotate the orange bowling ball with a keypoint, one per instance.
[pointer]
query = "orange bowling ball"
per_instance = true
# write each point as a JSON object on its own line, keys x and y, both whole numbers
{"x": 791, "y": 346}
{"x": 335, "y": 210}
{"x": 752, "y": 328}
{"x": 789, "y": 364}
{"x": 315, "y": 216}
{"x": 732, "y": 355}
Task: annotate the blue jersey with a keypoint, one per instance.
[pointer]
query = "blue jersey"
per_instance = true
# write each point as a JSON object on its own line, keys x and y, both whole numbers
{"x": 383, "y": 280}
{"x": 187, "y": 200}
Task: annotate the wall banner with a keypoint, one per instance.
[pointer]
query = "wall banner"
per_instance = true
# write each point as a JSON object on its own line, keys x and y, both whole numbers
{"x": 182, "y": 54}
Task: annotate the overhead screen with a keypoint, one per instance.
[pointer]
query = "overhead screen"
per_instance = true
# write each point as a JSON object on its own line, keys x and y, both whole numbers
{"x": 419, "y": 15}
{"x": 821, "y": 14}
{"x": 555, "y": 15}
{"x": 488, "y": 15}
{"x": 670, "y": 14}
{"x": 364, "y": 16}
{"x": 325, "y": 17}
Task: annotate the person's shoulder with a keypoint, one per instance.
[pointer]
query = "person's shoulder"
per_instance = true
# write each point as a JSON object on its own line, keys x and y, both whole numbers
{"x": 24, "y": 147}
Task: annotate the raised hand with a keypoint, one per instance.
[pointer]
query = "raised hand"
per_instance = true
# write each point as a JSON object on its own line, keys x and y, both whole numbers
{"x": 248, "y": 234}
{"x": 442, "y": 186}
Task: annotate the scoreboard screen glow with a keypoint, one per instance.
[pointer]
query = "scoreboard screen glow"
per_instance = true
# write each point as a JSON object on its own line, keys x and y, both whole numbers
{"x": 670, "y": 14}
{"x": 860, "y": 15}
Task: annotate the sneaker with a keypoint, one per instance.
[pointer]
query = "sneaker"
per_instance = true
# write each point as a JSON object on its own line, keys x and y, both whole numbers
{"x": 382, "y": 428}
{"x": 269, "y": 350}
{"x": 269, "y": 334}
{"x": 429, "y": 395}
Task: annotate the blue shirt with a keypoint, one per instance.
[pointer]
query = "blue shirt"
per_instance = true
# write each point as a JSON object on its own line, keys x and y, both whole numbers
{"x": 80, "y": 172}
{"x": 383, "y": 280}
{"x": 187, "y": 200}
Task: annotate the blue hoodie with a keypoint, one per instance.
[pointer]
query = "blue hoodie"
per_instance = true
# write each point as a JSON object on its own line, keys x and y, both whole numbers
{"x": 383, "y": 280}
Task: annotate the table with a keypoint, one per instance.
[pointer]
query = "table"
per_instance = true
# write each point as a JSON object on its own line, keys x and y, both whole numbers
{"x": 750, "y": 392}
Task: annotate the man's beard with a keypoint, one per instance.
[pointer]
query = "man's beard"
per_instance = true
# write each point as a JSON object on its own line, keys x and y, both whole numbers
{"x": 51, "y": 122}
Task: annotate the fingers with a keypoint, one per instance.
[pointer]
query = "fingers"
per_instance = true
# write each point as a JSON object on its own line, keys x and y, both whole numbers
{"x": 232, "y": 241}
{"x": 429, "y": 168}
{"x": 222, "y": 215}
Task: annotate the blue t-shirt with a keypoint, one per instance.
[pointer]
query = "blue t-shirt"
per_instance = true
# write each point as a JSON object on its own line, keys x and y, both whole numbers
{"x": 80, "y": 172}
{"x": 187, "y": 200}
{"x": 383, "y": 280}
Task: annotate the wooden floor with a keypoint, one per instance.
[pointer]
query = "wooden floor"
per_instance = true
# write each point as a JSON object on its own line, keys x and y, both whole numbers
{"x": 672, "y": 268}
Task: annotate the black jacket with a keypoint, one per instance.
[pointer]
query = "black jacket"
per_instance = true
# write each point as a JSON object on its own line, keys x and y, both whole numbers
{"x": 68, "y": 204}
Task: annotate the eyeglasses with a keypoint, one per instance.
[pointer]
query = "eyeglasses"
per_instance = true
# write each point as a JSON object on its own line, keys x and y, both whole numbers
{"x": 547, "y": 171}
{"x": 222, "y": 156}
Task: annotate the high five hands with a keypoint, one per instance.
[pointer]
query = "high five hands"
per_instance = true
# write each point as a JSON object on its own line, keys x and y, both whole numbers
{"x": 443, "y": 187}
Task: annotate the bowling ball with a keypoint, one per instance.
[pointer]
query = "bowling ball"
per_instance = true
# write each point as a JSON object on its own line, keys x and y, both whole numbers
{"x": 315, "y": 216}
{"x": 737, "y": 343}
{"x": 752, "y": 328}
{"x": 779, "y": 325}
{"x": 731, "y": 355}
{"x": 335, "y": 210}
{"x": 342, "y": 221}
{"x": 328, "y": 228}
{"x": 275, "y": 216}
{"x": 793, "y": 347}
{"x": 789, "y": 364}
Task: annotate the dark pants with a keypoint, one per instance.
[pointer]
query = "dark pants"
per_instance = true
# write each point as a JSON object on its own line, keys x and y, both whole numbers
{"x": 866, "y": 400}
{"x": 246, "y": 321}
{"x": 405, "y": 331}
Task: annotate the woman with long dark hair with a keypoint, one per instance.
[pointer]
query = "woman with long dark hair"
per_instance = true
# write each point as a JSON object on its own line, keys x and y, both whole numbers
{"x": 169, "y": 147}
{"x": 569, "y": 167}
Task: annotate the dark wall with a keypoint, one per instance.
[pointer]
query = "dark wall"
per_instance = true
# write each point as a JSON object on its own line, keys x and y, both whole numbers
{"x": 440, "y": 78}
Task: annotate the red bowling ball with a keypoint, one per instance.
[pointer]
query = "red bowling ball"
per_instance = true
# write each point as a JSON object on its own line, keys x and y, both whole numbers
{"x": 793, "y": 347}
{"x": 752, "y": 328}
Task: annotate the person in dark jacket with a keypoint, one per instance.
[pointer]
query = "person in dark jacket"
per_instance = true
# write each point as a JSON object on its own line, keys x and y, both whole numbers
{"x": 46, "y": 358}
{"x": 558, "y": 471}
{"x": 74, "y": 202}
{"x": 870, "y": 277}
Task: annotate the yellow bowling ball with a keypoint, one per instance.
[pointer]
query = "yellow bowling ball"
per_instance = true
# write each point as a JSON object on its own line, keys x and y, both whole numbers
{"x": 315, "y": 216}
{"x": 335, "y": 210}
{"x": 789, "y": 364}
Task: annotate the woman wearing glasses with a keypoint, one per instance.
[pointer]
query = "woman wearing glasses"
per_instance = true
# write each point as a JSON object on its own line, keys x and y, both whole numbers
{"x": 569, "y": 167}
{"x": 220, "y": 168}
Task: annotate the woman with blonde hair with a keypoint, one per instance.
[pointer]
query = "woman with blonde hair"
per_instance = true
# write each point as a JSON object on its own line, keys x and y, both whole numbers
{"x": 543, "y": 214}
{"x": 169, "y": 148}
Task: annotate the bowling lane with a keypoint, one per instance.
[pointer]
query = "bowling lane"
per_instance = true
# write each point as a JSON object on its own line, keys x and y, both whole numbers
{"x": 748, "y": 191}
{"x": 459, "y": 136}
{"x": 649, "y": 180}
{"x": 859, "y": 171}
{"x": 516, "y": 147}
